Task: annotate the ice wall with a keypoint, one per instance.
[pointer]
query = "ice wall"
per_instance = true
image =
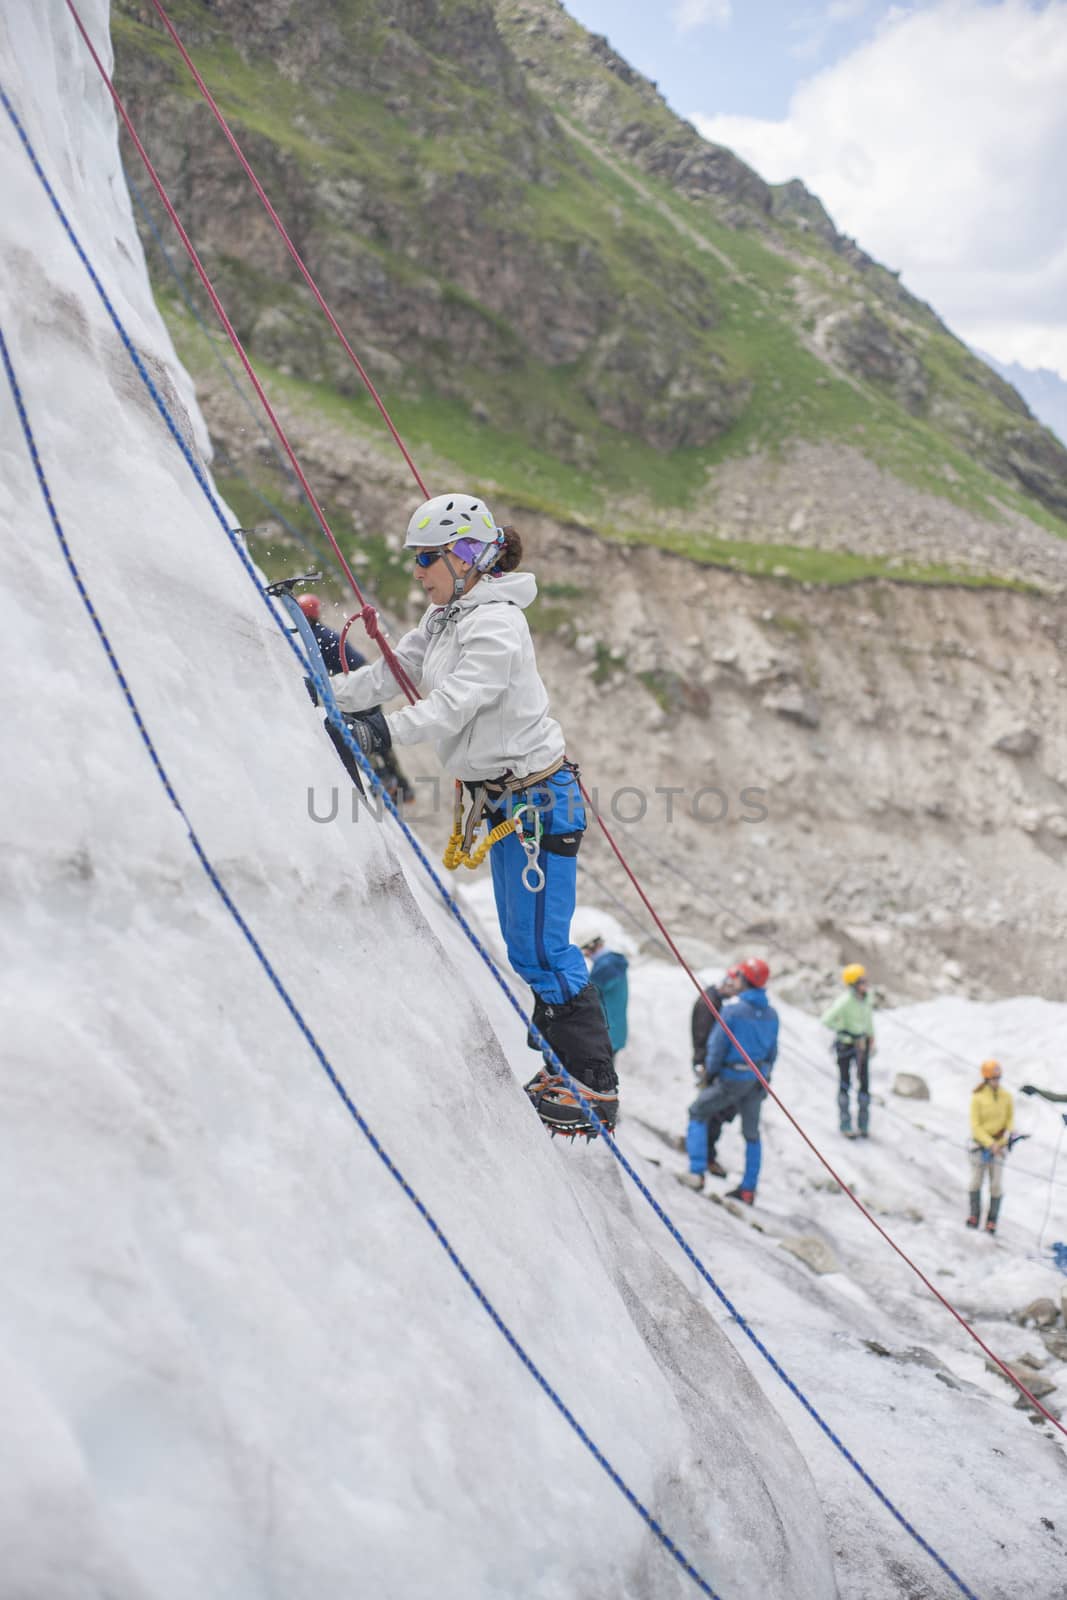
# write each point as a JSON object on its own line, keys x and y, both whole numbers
{"x": 233, "y": 1360}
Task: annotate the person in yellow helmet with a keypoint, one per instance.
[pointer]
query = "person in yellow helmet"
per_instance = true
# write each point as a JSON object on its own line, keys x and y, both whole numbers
{"x": 852, "y": 1018}
{"x": 992, "y": 1119}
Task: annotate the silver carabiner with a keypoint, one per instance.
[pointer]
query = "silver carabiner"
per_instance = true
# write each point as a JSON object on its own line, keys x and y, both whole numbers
{"x": 533, "y": 877}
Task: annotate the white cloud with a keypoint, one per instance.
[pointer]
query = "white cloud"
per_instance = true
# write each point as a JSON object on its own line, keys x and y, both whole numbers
{"x": 689, "y": 14}
{"x": 941, "y": 144}
{"x": 813, "y": 29}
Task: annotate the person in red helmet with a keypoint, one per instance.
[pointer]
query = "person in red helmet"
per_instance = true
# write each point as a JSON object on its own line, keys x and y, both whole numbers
{"x": 748, "y": 1032}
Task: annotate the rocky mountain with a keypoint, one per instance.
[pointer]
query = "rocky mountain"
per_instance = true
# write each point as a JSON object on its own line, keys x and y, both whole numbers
{"x": 1044, "y": 391}
{"x": 540, "y": 259}
{"x": 792, "y": 536}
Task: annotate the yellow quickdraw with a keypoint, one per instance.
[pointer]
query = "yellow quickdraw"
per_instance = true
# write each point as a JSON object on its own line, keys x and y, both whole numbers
{"x": 461, "y": 850}
{"x": 455, "y": 855}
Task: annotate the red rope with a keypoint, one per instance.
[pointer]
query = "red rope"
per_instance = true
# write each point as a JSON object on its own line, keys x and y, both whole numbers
{"x": 344, "y": 635}
{"x": 367, "y": 610}
{"x": 289, "y": 245}
{"x": 856, "y": 1201}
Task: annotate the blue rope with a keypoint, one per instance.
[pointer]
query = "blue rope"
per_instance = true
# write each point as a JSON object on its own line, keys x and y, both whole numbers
{"x": 290, "y": 1005}
{"x": 575, "y": 1087}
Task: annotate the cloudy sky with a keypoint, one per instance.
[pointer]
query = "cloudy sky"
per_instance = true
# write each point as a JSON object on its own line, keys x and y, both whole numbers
{"x": 935, "y": 133}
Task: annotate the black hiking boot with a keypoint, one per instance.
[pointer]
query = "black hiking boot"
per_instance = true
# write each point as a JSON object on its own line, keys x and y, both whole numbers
{"x": 575, "y": 1029}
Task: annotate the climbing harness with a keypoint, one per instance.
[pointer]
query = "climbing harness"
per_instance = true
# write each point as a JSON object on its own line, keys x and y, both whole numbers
{"x": 461, "y": 851}
{"x": 458, "y": 852}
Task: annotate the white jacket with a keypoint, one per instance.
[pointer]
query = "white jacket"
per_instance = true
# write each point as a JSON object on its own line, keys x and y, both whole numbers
{"x": 484, "y": 704}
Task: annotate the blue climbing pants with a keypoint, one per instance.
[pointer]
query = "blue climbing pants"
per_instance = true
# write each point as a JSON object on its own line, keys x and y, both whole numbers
{"x": 737, "y": 1091}
{"x": 537, "y": 926}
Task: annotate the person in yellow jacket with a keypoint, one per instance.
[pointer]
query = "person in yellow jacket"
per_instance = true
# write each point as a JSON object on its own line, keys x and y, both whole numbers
{"x": 992, "y": 1119}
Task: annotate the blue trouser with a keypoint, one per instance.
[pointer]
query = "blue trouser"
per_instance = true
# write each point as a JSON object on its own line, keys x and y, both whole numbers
{"x": 849, "y": 1051}
{"x": 537, "y": 926}
{"x": 731, "y": 1090}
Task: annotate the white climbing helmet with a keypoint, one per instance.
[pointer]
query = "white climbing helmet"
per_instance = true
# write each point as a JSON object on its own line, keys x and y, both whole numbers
{"x": 448, "y": 517}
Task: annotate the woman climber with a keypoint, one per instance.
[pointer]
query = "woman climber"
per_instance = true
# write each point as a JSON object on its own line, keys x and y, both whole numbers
{"x": 486, "y": 710}
{"x": 991, "y": 1125}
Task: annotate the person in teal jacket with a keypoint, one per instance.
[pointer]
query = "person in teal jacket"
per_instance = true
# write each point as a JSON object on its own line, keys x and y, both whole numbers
{"x": 607, "y": 970}
{"x": 852, "y": 1018}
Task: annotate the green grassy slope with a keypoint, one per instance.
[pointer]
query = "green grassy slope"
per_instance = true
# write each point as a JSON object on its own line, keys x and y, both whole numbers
{"x": 546, "y": 309}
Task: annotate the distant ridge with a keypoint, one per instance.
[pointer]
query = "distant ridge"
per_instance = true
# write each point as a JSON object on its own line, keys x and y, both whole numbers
{"x": 1044, "y": 391}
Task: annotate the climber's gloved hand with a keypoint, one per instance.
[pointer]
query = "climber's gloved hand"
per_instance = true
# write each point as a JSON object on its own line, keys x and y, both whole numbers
{"x": 371, "y": 731}
{"x": 1027, "y": 1088}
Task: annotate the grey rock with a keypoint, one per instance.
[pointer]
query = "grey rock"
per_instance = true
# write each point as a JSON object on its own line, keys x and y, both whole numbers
{"x": 873, "y": 350}
{"x": 910, "y": 1086}
{"x": 1038, "y": 1386}
{"x": 813, "y": 1252}
{"x": 1039, "y": 1314}
{"x": 1056, "y": 1345}
{"x": 794, "y": 704}
{"x": 1018, "y": 742}
{"x": 915, "y": 1356}
{"x": 1037, "y": 1417}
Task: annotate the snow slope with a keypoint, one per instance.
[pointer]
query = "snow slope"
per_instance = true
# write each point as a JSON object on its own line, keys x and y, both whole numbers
{"x": 234, "y": 1361}
{"x": 884, "y": 1363}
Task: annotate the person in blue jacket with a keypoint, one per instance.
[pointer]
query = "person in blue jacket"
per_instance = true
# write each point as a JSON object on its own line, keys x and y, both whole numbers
{"x": 607, "y": 970}
{"x": 731, "y": 1083}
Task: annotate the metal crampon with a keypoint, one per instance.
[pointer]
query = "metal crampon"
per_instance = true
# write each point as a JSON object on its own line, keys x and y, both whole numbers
{"x": 561, "y": 1111}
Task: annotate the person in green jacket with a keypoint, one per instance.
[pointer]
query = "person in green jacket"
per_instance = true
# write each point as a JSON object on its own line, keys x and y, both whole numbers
{"x": 852, "y": 1018}
{"x": 992, "y": 1119}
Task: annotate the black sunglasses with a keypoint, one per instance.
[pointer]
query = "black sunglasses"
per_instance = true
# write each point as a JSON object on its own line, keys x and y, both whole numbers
{"x": 426, "y": 558}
